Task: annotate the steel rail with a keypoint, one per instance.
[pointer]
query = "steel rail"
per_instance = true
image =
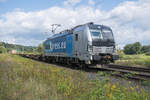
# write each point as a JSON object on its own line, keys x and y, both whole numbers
{"x": 138, "y": 69}
{"x": 132, "y": 72}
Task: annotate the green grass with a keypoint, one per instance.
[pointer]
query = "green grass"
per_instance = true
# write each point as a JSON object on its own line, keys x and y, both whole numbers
{"x": 25, "y": 79}
{"x": 134, "y": 60}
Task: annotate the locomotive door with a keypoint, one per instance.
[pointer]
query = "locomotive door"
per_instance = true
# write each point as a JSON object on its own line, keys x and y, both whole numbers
{"x": 78, "y": 44}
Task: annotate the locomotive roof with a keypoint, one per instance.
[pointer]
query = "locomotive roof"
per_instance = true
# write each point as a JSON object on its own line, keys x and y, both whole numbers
{"x": 91, "y": 25}
{"x": 63, "y": 33}
{"x": 96, "y": 26}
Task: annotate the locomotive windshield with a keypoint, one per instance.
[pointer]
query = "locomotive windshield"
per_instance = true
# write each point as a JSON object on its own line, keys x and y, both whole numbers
{"x": 96, "y": 34}
{"x": 104, "y": 34}
{"x": 107, "y": 34}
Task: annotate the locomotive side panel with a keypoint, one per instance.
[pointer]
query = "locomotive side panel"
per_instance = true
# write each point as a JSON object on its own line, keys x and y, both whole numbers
{"x": 80, "y": 41}
{"x": 59, "y": 46}
{"x": 69, "y": 45}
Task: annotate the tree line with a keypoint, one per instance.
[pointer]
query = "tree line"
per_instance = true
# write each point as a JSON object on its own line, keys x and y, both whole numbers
{"x": 6, "y": 48}
{"x": 137, "y": 48}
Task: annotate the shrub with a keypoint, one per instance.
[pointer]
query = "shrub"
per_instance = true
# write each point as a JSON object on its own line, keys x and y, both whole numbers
{"x": 2, "y": 49}
{"x": 40, "y": 48}
{"x": 148, "y": 53}
{"x": 133, "y": 48}
{"x": 145, "y": 49}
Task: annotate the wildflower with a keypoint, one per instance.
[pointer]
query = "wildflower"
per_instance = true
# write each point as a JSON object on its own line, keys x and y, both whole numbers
{"x": 113, "y": 87}
{"x": 132, "y": 88}
{"x": 110, "y": 95}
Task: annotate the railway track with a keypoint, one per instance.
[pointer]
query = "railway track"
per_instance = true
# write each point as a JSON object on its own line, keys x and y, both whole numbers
{"x": 136, "y": 73}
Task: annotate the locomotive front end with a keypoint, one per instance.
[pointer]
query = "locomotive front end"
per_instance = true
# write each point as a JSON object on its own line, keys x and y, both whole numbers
{"x": 102, "y": 46}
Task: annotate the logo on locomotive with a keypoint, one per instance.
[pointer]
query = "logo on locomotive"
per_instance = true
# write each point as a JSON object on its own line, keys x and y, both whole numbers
{"x": 57, "y": 45}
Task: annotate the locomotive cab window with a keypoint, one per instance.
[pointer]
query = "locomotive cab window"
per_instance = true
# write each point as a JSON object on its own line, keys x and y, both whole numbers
{"x": 47, "y": 46}
{"x": 107, "y": 34}
{"x": 96, "y": 34}
{"x": 76, "y": 37}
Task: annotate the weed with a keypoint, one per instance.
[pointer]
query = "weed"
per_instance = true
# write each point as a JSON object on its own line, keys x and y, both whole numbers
{"x": 100, "y": 73}
{"x": 106, "y": 91}
{"x": 145, "y": 83}
{"x": 134, "y": 60}
{"x": 26, "y": 79}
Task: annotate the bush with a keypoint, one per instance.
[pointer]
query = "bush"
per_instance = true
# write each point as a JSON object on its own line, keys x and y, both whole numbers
{"x": 145, "y": 49}
{"x": 133, "y": 48}
{"x": 40, "y": 48}
{"x": 2, "y": 49}
{"x": 148, "y": 53}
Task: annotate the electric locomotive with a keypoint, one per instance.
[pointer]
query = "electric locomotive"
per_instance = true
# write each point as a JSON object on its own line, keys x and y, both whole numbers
{"x": 84, "y": 44}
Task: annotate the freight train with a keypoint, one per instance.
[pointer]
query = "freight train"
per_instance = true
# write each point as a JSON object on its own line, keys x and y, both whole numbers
{"x": 86, "y": 44}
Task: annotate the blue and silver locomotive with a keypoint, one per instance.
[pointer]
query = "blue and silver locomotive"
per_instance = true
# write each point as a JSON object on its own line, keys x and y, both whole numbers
{"x": 86, "y": 44}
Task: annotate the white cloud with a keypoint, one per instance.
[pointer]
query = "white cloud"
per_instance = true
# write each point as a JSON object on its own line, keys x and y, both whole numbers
{"x": 129, "y": 21}
{"x": 71, "y": 2}
{"x": 91, "y": 2}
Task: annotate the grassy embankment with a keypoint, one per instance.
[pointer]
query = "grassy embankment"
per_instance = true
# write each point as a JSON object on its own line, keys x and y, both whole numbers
{"x": 25, "y": 79}
{"x": 134, "y": 60}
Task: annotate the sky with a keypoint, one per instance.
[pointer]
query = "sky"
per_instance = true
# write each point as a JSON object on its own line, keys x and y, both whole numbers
{"x": 28, "y": 22}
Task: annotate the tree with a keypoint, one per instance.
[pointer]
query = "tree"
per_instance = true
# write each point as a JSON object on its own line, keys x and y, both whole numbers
{"x": 1, "y": 44}
{"x": 137, "y": 48}
{"x": 145, "y": 49}
{"x": 128, "y": 49}
{"x": 133, "y": 48}
{"x": 40, "y": 48}
{"x": 3, "y": 50}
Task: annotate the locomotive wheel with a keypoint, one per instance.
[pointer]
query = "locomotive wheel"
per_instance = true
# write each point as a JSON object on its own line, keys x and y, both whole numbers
{"x": 82, "y": 66}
